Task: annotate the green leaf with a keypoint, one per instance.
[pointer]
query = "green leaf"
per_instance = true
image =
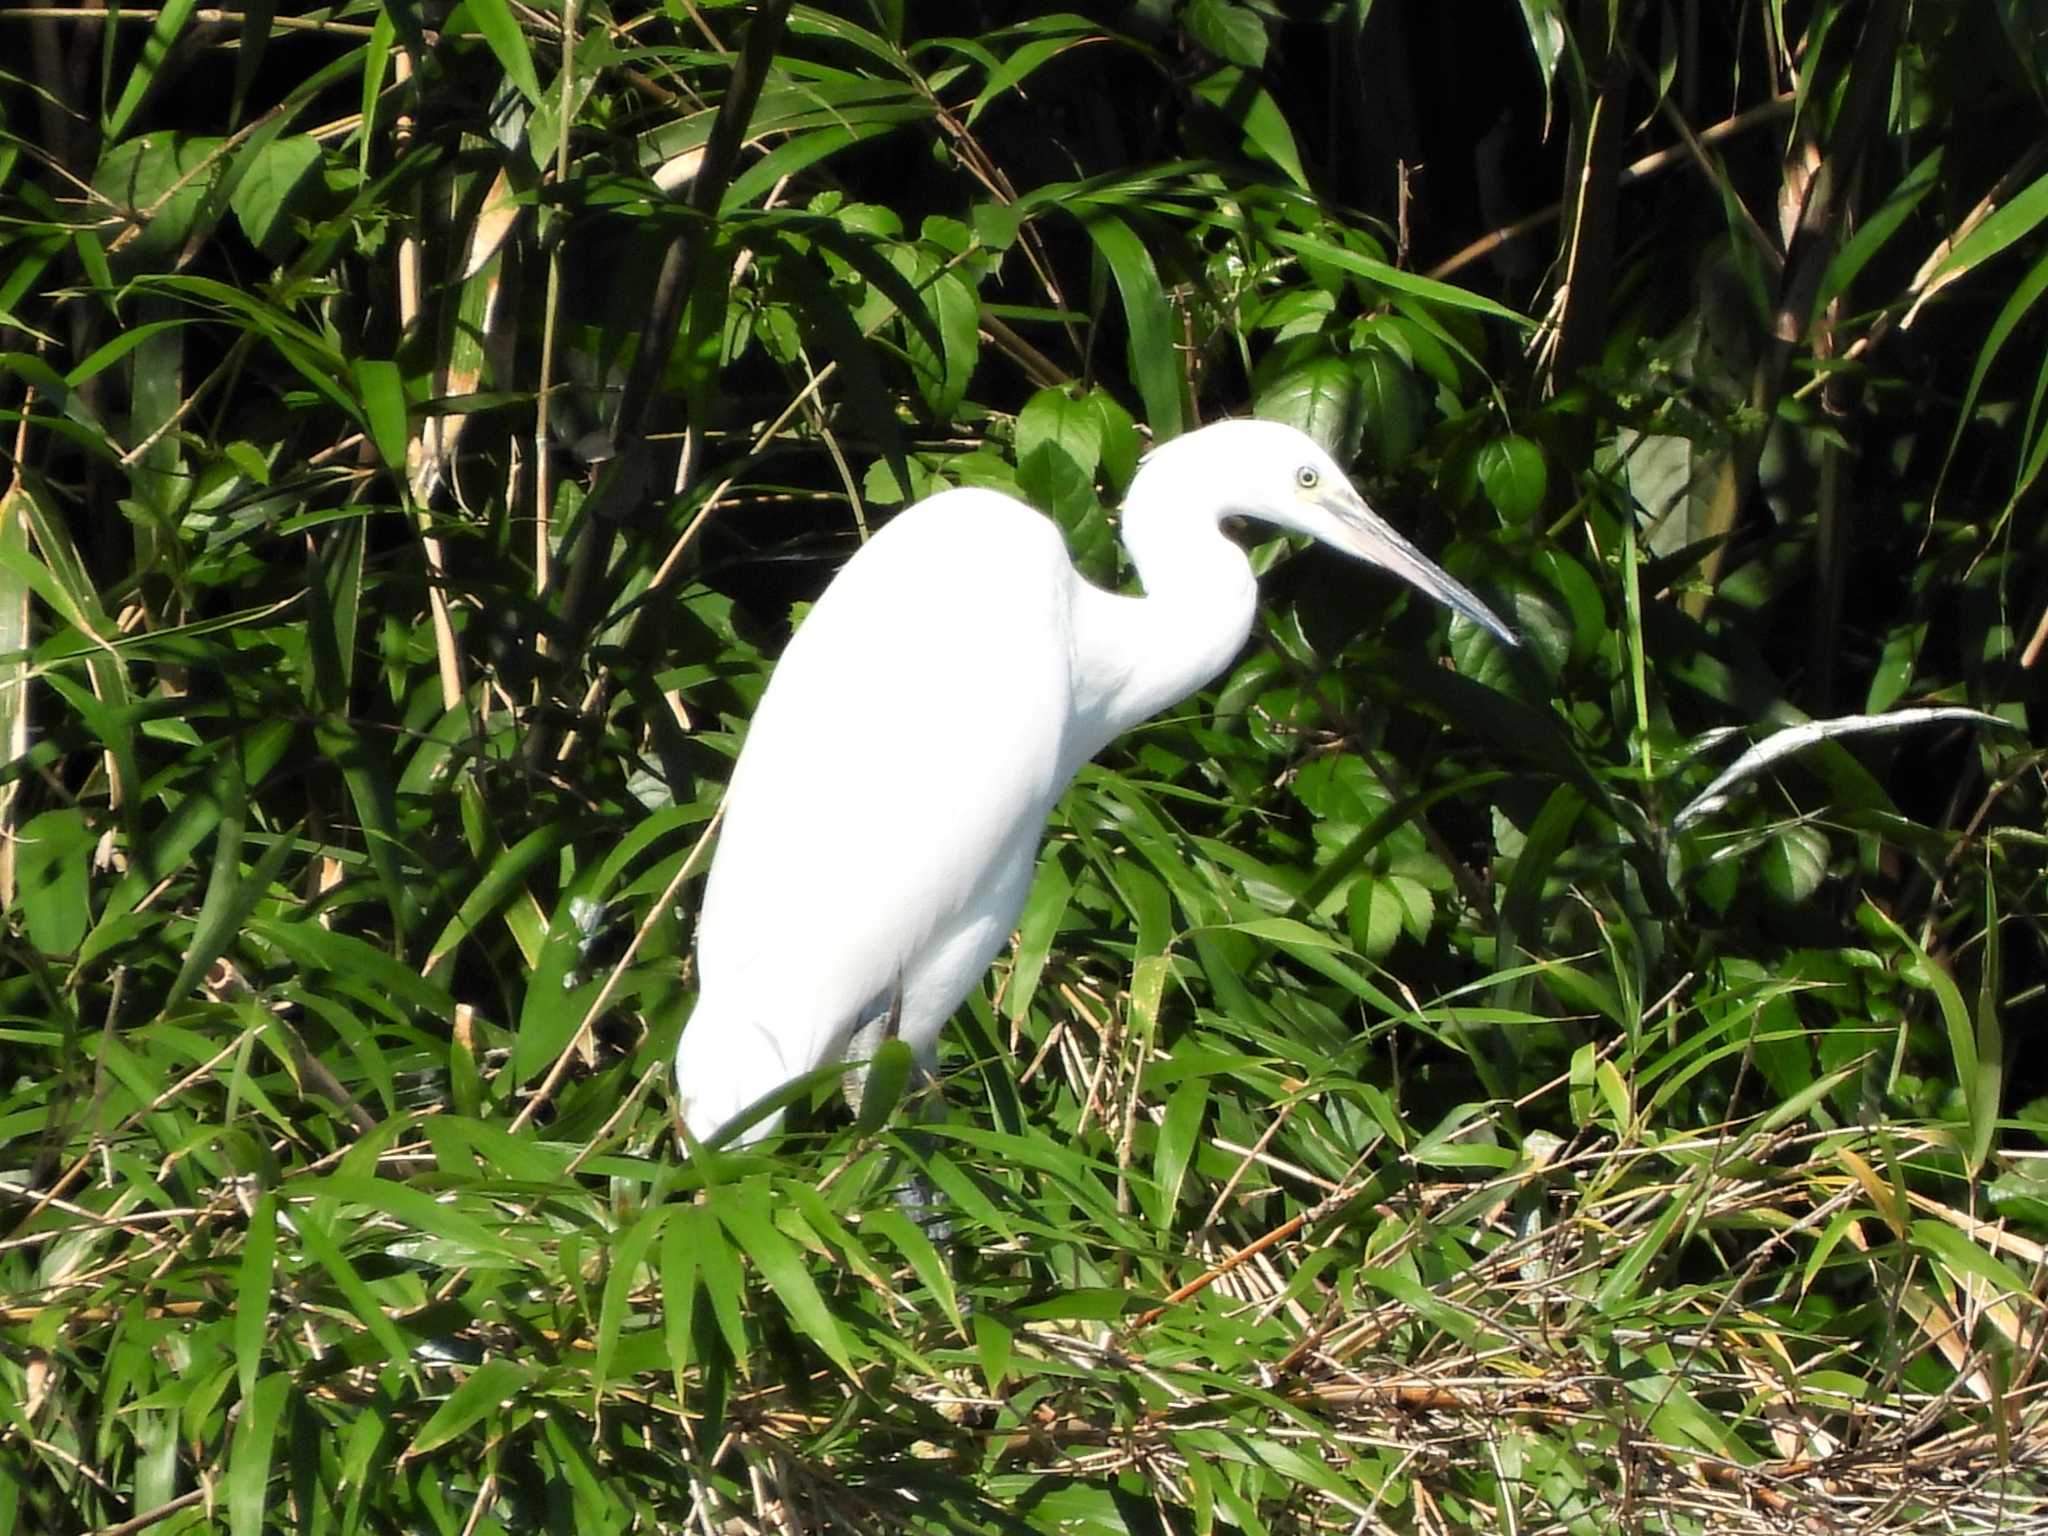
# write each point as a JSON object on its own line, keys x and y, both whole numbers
{"x": 383, "y": 392}
{"x": 1054, "y": 419}
{"x": 105, "y": 356}
{"x": 1375, "y": 914}
{"x": 1966, "y": 1262}
{"x": 503, "y": 881}
{"x": 2026, "y": 293}
{"x": 485, "y": 1391}
{"x": 164, "y": 32}
{"x": 1179, "y": 1132}
{"x": 620, "y": 1277}
{"x": 1059, "y": 447}
{"x": 163, "y": 180}
{"x": 500, "y": 29}
{"x": 248, "y": 1476}
{"x": 679, "y": 1290}
{"x": 1310, "y": 387}
{"x": 1511, "y": 469}
{"x": 1929, "y": 974}
{"x": 448, "y": 1223}
{"x": 1619, "y": 1289}
{"x": 1385, "y": 275}
{"x": 2020, "y": 216}
{"x": 1153, "y": 346}
{"x": 781, "y": 1265}
{"x": 230, "y": 895}
{"x": 925, "y": 1261}
{"x": 1795, "y": 862}
{"x": 958, "y": 313}
{"x": 366, "y": 771}
{"x": 1985, "y": 1092}
{"x": 252, "y": 1292}
{"x": 318, "y": 1239}
{"x": 1258, "y": 117}
{"x": 993, "y": 1348}
{"x": 1392, "y": 406}
{"x": 883, "y": 1083}
{"x": 1234, "y": 33}
{"x": 53, "y": 867}
{"x": 264, "y": 193}
{"x": 1544, "y": 21}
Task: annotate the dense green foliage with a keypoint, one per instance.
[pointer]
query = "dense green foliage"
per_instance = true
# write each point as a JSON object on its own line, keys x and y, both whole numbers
{"x": 1393, "y": 1114}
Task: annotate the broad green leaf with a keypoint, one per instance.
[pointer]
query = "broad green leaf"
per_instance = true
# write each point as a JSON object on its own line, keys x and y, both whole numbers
{"x": 1375, "y": 913}
{"x": 1234, "y": 33}
{"x": 1059, "y": 447}
{"x": 54, "y": 854}
{"x": 1319, "y": 392}
{"x": 1795, "y": 863}
{"x": 1511, "y": 469}
{"x": 262, "y": 198}
{"x": 1390, "y": 404}
{"x": 162, "y": 181}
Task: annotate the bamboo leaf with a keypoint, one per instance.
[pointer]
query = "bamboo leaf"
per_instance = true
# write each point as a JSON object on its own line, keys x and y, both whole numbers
{"x": 779, "y": 1263}
{"x": 1153, "y": 350}
{"x": 500, "y": 29}
{"x": 249, "y": 1460}
{"x": 485, "y": 1391}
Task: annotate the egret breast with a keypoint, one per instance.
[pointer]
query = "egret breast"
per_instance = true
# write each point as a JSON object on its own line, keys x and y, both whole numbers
{"x": 903, "y": 759}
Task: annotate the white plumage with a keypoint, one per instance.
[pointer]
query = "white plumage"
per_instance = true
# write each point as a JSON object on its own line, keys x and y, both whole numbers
{"x": 883, "y": 821}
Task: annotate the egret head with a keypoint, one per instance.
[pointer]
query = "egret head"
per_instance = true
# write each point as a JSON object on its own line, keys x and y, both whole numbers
{"x": 1279, "y": 475}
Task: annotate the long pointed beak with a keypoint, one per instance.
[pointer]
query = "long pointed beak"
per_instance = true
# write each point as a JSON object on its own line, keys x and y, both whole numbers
{"x": 1363, "y": 532}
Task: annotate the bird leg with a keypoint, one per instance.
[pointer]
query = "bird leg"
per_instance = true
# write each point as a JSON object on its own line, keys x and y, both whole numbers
{"x": 915, "y": 1196}
{"x": 869, "y": 1036}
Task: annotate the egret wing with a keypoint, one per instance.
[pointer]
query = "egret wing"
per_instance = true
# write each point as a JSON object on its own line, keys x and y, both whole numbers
{"x": 907, "y": 748}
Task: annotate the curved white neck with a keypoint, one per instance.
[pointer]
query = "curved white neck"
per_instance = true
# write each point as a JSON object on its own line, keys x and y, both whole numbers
{"x": 1135, "y": 656}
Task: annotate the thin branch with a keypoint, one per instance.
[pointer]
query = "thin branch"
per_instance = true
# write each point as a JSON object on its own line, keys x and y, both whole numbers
{"x": 1639, "y": 170}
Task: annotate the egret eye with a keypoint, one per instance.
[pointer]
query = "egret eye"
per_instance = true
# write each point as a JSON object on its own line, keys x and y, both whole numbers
{"x": 1307, "y": 478}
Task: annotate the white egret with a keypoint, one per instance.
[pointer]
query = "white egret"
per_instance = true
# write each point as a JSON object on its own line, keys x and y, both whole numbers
{"x": 883, "y": 820}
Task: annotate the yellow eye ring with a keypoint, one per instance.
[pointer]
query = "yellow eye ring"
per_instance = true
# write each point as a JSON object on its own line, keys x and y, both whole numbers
{"x": 1307, "y": 478}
